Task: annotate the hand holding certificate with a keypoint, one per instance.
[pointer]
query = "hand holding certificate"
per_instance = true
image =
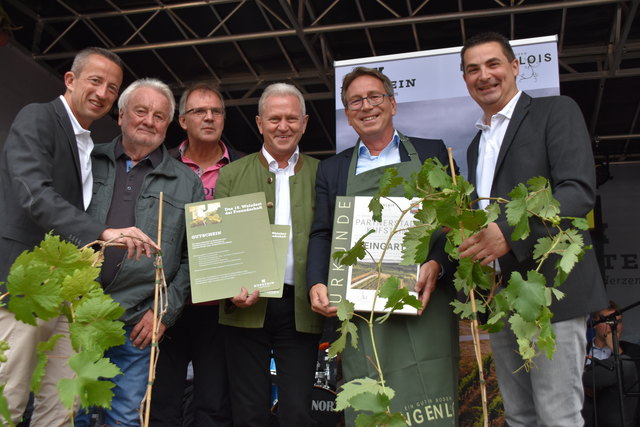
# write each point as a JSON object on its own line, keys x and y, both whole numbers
{"x": 230, "y": 247}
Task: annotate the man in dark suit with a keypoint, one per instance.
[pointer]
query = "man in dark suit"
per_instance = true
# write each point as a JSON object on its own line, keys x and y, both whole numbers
{"x": 46, "y": 184}
{"x": 519, "y": 138}
{"x": 369, "y": 102}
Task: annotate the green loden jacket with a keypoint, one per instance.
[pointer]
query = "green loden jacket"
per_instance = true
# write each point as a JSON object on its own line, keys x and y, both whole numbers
{"x": 251, "y": 175}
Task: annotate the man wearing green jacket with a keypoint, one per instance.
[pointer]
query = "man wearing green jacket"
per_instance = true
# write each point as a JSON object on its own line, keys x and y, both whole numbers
{"x": 286, "y": 327}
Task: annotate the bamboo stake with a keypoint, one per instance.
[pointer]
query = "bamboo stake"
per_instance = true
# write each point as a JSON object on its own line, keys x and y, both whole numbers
{"x": 475, "y": 335}
{"x": 154, "y": 332}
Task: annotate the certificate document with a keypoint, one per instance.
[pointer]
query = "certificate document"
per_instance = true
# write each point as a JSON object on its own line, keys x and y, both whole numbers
{"x": 230, "y": 247}
{"x": 358, "y": 283}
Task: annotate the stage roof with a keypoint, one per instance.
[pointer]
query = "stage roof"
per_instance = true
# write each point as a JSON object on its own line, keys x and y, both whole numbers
{"x": 246, "y": 45}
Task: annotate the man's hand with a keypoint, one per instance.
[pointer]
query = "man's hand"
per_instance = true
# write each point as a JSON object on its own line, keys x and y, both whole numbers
{"x": 488, "y": 245}
{"x": 134, "y": 238}
{"x": 244, "y": 300}
{"x": 426, "y": 284}
{"x": 319, "y": 296}
{"x": 142, "y": 332}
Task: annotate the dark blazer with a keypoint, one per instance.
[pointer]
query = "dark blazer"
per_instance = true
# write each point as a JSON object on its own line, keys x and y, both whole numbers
{"x": 40, "y": 185}
{"x": 331, "y": 181}
{"x": 548, "y": 137}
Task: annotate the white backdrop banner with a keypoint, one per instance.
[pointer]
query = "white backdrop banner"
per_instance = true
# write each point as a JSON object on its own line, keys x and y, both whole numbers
{"x": 432, "y": 98}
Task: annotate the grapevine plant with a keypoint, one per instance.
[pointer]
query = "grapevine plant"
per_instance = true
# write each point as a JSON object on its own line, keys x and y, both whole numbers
{"x": 444, "y": 202}
{"x": 56, "y": 278}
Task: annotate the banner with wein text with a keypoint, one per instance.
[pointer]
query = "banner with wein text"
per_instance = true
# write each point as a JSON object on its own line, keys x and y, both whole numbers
{"x": 432, "y": 97}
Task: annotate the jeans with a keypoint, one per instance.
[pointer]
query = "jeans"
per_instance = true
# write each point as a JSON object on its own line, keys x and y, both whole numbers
{"x": 130, "y": 386}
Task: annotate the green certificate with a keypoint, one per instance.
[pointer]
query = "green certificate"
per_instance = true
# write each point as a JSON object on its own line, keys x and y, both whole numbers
{"x": 230, "y": 247}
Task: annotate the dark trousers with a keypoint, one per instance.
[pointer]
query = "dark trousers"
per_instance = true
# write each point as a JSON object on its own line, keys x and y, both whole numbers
{"x": 249, "y": 354}
{"x": 195, "y": 337}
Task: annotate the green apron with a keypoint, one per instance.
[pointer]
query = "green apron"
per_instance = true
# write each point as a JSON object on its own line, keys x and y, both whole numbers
{"x": 419, "y": 354}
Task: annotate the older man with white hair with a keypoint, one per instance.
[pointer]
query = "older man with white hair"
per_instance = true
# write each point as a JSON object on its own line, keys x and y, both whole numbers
{"x": 129, "y": 174}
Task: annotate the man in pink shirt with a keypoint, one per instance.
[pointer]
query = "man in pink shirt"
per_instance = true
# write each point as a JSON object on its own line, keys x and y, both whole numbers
{"x": 195, "y": 336}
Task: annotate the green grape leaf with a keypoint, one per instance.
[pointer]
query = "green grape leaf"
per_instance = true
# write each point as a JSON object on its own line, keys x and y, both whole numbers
{"x": 368, "y": 401}
{"x": 437, "y": 174}
{"x": 388, "y": 181}
{"x": 345, "y": 309}
{"x": 521, "y": 231}
{"x": 41, "y": 361}
{"x": 570, "y": 257}
{"x": 30, "y": 292}
{"x": 98, "y": 335}
{"x": 557, "y": 293}
{"x": 376, "y": 207}
{"x": 543, "y": 246}
{"x": 527, "y": 297}
{"x": 580, "y": 223}
{"x": 358, "y": 251}
{"x": 426, "y": 214}
{"x": 346, "y": 329}
{"x": 472, "y": 219}
{"x": 389, "y": 287}
{"x": 463, "y": 186}
{"x": 547, "y": 338}
{"x": 415, "y": 245}
{"x": 89, "y": 366}
{"x": 447, "y": 213}
{"x": 79, "y": 283}
{"x": 462, "y": 309}
{"x": 541, "y": 200}
{"x": 358, "y": 386}
{"x": 493, "y": 212}
{"x": 409, "y": 187}
{"x": 4, "y": 408}
{"x": 380, "y": 419}
{"x": 517, "y": 207}
{"x": 525, "y": 332}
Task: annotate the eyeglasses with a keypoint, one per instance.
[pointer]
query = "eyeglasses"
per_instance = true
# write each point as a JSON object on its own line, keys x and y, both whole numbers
{"x": 202, "y": 112}
{"x": 373, "y": 100}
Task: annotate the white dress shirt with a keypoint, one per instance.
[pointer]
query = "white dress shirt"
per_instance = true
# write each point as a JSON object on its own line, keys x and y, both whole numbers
{"x": 85, "y": 146}
{"x": 283, "y": 202}
{"x": 489, "y": 148}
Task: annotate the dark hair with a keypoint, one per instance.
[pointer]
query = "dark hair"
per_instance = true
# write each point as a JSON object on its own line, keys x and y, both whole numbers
{"x": 612, "y": 306}
{"x": 82, "y": 57}
{"x": 488, "y": 37}
{"x": 364, "y": 71}
{"x": 207, "y": 86}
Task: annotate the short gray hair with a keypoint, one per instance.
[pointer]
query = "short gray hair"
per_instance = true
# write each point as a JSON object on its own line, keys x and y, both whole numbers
{"x": 152, "y": 84}
{"x": 82, "y": 57}
{"x": 281, "y": 89}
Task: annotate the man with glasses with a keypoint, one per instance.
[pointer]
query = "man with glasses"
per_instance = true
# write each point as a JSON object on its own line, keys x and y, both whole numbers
{"x": 195, "y": 337}
{"x": 367, "y": 95}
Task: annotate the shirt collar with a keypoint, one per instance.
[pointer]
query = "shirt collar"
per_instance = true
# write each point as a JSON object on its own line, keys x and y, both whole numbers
{"x": 225, "y": 155}
{"x": 77, "y": 129}
{"x": 155, "y": 157}
{"x": 505, "y": 113}
{"x": 392, "y": 145}
{"x": 273, "y": 164}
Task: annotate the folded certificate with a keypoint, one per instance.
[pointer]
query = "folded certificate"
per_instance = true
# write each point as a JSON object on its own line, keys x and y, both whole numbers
{"x": 230, "y": 247}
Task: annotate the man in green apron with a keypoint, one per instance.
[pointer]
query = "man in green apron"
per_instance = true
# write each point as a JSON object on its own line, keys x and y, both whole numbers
{"x": 419, "y": 354}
